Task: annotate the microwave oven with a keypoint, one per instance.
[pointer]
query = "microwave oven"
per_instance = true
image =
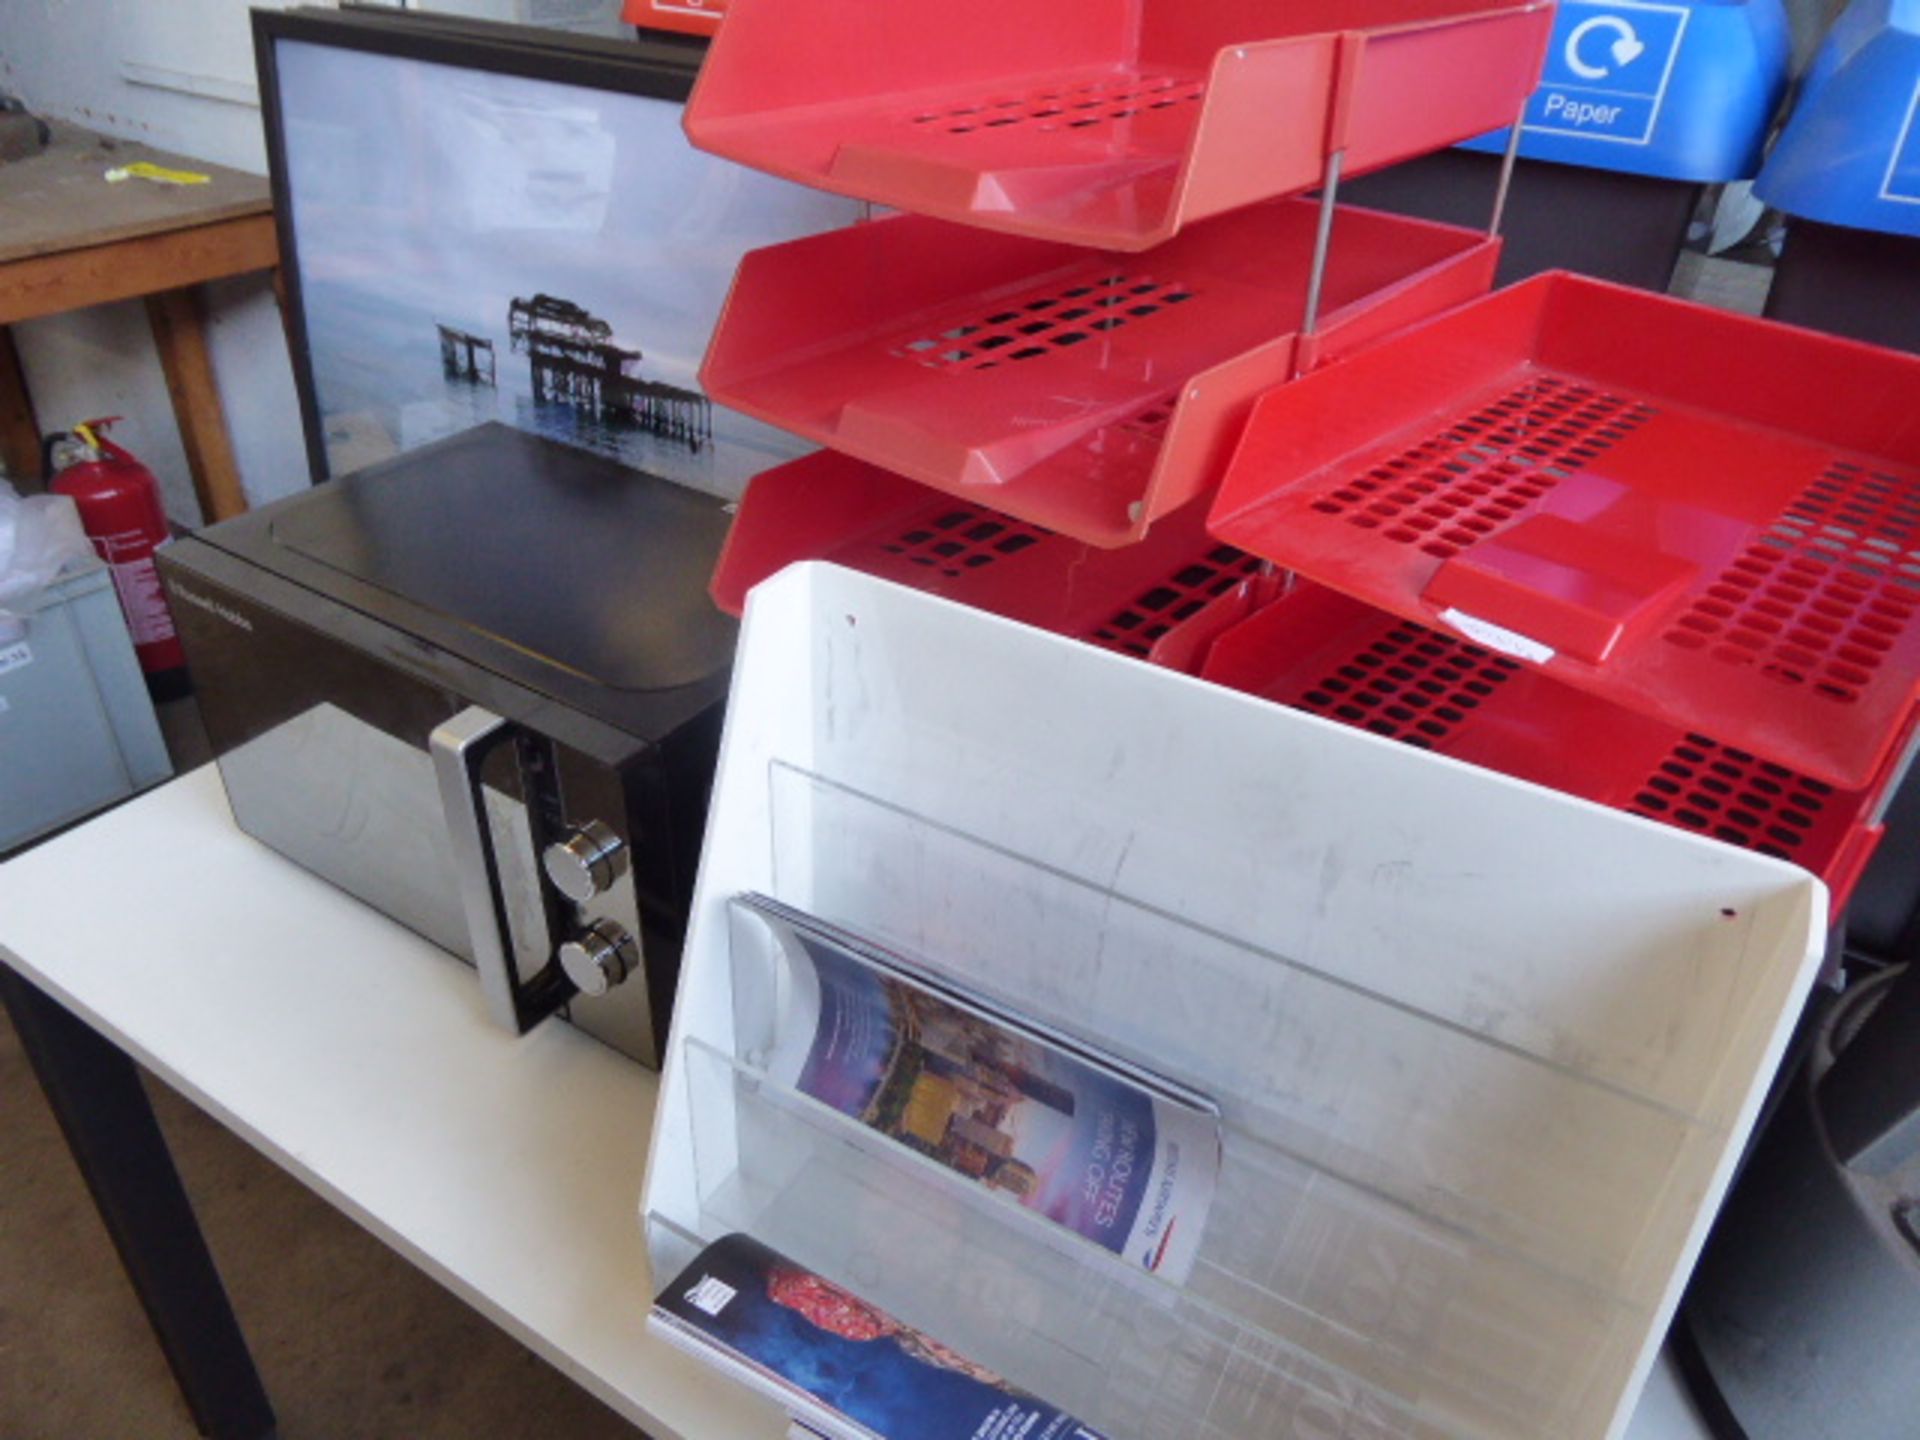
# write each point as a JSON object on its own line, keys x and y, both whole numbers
{"x": 479, "y": 687}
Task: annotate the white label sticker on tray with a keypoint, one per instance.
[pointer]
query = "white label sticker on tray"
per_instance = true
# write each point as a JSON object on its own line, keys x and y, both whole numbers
{"x": 711, "y": 1295}
{"x": 1498, "y": 637}
{"x": 13, "y": 656}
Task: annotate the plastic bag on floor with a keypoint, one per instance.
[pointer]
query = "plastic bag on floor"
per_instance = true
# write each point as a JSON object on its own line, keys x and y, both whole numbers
{"x": 40, "y": 536}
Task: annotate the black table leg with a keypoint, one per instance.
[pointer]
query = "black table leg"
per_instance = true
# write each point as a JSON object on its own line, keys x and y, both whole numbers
{"x": 109, "y": 1124}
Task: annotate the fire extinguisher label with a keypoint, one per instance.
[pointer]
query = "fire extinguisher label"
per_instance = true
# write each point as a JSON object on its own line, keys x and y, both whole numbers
{"x": 13, "y": 656}
{"x": 123, "y": 547}
{"x": 136, "y": 581}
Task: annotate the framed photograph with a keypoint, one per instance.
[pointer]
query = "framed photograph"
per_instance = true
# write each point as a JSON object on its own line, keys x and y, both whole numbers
{"x": 494, "y": 222}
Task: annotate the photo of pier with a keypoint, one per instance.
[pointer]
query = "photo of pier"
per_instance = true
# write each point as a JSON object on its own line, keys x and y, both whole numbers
{"x": 574, "y": 361}
{"x": 548, "y": 255}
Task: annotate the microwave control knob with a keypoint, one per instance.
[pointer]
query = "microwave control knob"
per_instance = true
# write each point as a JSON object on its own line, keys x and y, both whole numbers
{"x": 584, "y": 864}
{"x": 599, "y": 957}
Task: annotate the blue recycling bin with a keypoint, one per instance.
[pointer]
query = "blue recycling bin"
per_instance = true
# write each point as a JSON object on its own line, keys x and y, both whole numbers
{"x": 1641, "y": 105}
{"x": 1847, "y": 170}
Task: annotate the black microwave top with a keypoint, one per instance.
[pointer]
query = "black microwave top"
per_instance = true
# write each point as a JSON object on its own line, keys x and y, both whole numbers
{"x": 561, "y": 571}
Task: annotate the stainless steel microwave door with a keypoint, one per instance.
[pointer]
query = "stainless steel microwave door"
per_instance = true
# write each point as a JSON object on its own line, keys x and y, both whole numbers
{"x": 360, "y": 808}
{"x": 355, "y": 805}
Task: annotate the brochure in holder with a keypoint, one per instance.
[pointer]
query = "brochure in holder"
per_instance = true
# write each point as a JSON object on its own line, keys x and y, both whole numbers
{"x": 1479, "y": 1057}
{"x": 853, "y": 1372}
{"x": 1103, "y": 1150}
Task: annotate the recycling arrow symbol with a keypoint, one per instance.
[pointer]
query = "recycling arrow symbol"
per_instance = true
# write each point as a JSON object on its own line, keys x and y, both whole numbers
{"x": 1625, "y": 48}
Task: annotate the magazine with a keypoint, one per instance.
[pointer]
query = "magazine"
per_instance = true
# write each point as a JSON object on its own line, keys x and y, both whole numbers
{"x": 1103, "y": 1148}
{"x": 851, "y": 1370}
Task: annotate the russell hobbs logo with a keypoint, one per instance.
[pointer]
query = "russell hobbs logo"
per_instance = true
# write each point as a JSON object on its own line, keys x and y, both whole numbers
{"x": 213, "y": 607}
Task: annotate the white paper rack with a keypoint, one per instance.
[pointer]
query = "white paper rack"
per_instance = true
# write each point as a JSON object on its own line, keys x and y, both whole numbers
{"x": 1485, "y": 1055}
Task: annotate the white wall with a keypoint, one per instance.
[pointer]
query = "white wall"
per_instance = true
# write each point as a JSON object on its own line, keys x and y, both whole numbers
{"x": 177, "y": 74}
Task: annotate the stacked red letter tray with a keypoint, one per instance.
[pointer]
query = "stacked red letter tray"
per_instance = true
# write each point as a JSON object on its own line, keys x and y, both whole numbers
{"x": 827, "y": 507}
{"x": 1317, "y": 650}
{"x": 1078, "y": 390}
{"x": 1110, "y": 123}
{"x": 1704, "y": 519}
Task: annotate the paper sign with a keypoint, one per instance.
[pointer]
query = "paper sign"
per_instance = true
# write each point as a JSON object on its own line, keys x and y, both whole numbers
{"x": 1903, "y": 170}
{"x": 1607, "y": 71}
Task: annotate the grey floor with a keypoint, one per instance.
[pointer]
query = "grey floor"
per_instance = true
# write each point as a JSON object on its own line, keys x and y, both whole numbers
{"x": 1728, "y": 284}
{"x": 352, "y": 1342}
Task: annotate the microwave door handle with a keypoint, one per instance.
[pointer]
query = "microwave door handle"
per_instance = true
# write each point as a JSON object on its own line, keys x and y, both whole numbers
{"x": 459, "y": 748}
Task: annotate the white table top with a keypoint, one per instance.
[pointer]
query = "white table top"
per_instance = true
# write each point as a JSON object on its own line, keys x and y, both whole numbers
{"x": 359, "y": 1057}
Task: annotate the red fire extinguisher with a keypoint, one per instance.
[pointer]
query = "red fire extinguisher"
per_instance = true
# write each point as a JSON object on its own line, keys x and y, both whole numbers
{"x": 121, "y": 511}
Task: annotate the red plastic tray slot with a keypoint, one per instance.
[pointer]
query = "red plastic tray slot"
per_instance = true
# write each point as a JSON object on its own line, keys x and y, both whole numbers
{"x": 1322, "y": 652}
{"x": 1081, "y": 391}
{"x": 1704, "y": 518}
{"x": 1110, "y": 123}
{"x": 827, "y": 507}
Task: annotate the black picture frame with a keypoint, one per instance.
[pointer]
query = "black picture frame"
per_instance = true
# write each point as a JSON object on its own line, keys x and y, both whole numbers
{"x": 650, "y": 68}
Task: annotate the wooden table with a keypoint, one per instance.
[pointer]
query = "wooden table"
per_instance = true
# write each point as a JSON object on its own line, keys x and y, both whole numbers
{"x": 69, "y": 238}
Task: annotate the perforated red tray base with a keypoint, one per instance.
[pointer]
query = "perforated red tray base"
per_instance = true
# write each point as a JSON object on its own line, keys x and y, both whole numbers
{"x": 1081, "y": 391}
{"x": 1182, "y": 599}
{"x": 1103, "y": 122}
{"x": 1322, "y": 652}
{"x": 1706, "y": 519}
{"x": 827, "y": 507}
